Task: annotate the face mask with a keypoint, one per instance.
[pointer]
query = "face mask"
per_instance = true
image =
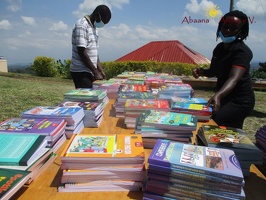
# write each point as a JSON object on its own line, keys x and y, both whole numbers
{"x": 227, "y": 39}
{"x": 99, "y": 24}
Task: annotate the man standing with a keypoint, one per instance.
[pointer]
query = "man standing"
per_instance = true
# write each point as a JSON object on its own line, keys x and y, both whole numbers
{"x": 85, "y": 65}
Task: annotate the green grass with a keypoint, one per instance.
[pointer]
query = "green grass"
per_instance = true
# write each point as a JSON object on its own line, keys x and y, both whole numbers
{"x": 19, "y": 92}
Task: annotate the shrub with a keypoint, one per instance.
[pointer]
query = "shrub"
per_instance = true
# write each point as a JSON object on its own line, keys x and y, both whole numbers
{"x": 44, "y": 67}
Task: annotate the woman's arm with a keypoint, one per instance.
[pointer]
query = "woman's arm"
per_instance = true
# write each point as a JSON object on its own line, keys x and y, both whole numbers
{"x": 235, "y": 75}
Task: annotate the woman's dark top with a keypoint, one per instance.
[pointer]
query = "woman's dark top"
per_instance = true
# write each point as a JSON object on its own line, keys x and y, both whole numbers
{"x": 222, "y": 61}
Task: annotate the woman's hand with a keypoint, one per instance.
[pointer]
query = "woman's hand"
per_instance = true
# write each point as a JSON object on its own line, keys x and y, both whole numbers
{"x": 197, "y": 72}
{"x": 215, "y": 103}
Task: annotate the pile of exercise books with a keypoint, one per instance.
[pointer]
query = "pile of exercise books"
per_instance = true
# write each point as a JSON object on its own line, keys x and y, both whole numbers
{"x": 25, "y": 152}
{"x": 111, "y": 86}
{"x": 185, "y": 171}
{"x": 231, "y": 138}
{"x": 154, "y": 124}
{"x": 260, "y": 142}
{"x": 175, "y": 90}
{"x": 93, "y": 112}
{"x": 203, "y": 112}
{"x": 72, "y": 115}
{"x": 104, "y": 162}
{"x": 87, "y": 95}
{"x": 138, "y": 92}
{"x": 134, "y": 107}
{"x": 177, "y": 101}
{"x": 53, "y": 129}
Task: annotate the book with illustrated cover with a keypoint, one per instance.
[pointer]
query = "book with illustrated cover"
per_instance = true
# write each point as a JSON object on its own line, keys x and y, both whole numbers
{"x": 85, "y": 94}
{"x": 226, "y": 137}
{"x": 176, "y": 102}
{"x": 90, "y": 108}
{"x": 71, "y": 115}
{"x": 175, "y": 87}
{"x": 204, "y": 160}
{"x": 123, "y": 96}
{"x": 104, "y": 148}
{"x": 20, "y": 149}
{"x": 134, "y": 88}
{"x": 11, "y": 181}
{"x": 41, "y": 126}
{"x": 135, "y": 104}
{"x": 203, "y": 112}
{"x": 168, "y": 120}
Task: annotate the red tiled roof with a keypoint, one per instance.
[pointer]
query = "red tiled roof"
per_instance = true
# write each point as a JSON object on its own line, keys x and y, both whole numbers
{"x": 165, "y": 51}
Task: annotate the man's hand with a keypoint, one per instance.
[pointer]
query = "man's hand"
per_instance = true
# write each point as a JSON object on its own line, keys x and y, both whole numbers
{"x": 98, "y": 76}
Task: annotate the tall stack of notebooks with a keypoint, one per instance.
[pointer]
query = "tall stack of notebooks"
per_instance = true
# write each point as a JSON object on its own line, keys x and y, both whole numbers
{"x": 231, "y": 138}
{"x": 72, "y": 115}
{"x": 134, "y": 107}
{"x": 104, "y": 162}
{"x": 93, "y": 112}
{"x": 154, "y": 124}
{"x": 131, "y": 92}
{"x": 260, "y": 137}
{"x": 53, "y": 129}
{"x": 184, "y": 171}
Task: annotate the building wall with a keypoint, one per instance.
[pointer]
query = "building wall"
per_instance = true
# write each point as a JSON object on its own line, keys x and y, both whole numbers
{"x": 3, "y": 66}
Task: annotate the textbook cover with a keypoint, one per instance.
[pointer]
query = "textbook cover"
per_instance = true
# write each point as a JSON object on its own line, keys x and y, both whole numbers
{"x": 204, "y": 160}
{"x": 41, "y": 126}
{"x": 11, "y": 181}
{"x": 109, "y": 148}
{"x": 168, "y": 120}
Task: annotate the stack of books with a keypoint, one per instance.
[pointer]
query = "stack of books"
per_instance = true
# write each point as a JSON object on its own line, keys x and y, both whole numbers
{"x": 87, "y": 95}
{"x": 175, "y": 90}
{"x": 154, "y": 81}
{"x": 203, "y": 112}
{"x": 177, "y": 101}
{"x": 104, "y": 162}
{"x": 260, "y": 137}
{"x": 72, "y": 115}
{"x": 165, "y": 124}
{"x": 111, "y": 86}
{"x": 134, "y": 107}
{"x": 231, "y": 138}
{"x": 93, "y": 111}
{"x": 185, "y": 171}
{"x": 27, "y": 153}
{"x": 53, "y": 129}
{"x": 139, "y": 92}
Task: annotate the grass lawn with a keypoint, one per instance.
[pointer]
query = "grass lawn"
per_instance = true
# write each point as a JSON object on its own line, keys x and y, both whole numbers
{"x": 20, "y": 92}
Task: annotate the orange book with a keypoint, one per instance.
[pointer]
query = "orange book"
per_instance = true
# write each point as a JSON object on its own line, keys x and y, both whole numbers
{"x": 104, "y": 148}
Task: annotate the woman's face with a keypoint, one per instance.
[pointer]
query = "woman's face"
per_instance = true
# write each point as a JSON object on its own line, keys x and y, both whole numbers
{"x": 231, "y": 26}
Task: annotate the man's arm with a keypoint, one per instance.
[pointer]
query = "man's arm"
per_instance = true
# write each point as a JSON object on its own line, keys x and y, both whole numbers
{"x": 100, "y": 69}
{"x": 87, "y": 61}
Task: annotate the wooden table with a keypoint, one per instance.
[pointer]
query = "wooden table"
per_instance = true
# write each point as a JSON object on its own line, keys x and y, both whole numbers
{"x": 45, "y": 186}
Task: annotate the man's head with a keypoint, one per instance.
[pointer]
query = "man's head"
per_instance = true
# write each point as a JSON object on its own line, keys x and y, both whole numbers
{"x": 101, "y": 16}
{"x": 234, "y": 23}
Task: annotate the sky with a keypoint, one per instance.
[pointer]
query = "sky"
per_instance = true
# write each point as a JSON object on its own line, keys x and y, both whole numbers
{"x": 31, "y": 28}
